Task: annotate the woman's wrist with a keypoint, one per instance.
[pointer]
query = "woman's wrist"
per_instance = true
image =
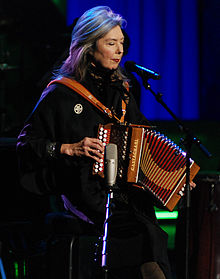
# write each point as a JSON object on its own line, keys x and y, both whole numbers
{"x": 53, "y": 149}
{"x": 68, "y": 149}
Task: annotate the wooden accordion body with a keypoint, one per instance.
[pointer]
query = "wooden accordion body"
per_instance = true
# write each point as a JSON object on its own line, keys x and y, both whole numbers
{"x": 148, "y": 160}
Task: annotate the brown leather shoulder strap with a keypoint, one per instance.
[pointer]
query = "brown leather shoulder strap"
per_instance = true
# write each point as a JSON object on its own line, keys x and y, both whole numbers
{"x": 80, "y": 89}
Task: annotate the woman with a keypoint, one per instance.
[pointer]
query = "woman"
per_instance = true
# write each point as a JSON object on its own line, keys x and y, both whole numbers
{"x": 58, "y": 145}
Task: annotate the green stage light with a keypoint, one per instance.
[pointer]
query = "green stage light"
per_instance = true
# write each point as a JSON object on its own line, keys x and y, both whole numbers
{"x": 16, "y": 269}
{"x": 165, "y": 215}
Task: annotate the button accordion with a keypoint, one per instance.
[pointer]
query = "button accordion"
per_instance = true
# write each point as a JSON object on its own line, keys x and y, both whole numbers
{"x": 148, "y": 160}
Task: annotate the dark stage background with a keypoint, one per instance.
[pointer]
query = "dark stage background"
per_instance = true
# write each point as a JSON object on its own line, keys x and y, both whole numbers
{"x": 179, "y": 39}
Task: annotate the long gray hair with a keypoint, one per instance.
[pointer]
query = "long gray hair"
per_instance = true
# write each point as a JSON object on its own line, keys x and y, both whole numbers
{"x": 90, "y": 27}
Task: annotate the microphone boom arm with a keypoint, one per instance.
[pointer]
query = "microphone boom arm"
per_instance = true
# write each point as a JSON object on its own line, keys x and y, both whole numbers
{"x": 188, "y": 142}
{"x": 158, "y": 96}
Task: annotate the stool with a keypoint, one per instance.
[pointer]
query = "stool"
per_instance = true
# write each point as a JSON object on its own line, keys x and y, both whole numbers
{"x": 70, "y": 239}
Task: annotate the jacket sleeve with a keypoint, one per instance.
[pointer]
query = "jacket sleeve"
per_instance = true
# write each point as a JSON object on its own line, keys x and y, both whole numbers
{"x": 38, "y": 148}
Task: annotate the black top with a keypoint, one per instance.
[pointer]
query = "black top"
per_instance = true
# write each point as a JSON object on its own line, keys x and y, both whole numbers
{"x": 56, "y": 120}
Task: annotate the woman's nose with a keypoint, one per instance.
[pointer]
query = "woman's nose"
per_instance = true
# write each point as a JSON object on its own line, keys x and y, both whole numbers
{"x": 120, "y": 49}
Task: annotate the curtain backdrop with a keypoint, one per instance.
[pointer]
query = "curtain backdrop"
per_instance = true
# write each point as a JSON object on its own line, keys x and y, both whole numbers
{"x": 164, "y": 38}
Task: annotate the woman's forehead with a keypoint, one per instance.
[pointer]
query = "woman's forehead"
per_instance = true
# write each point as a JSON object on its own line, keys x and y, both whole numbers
{"x": 114, "y": 34}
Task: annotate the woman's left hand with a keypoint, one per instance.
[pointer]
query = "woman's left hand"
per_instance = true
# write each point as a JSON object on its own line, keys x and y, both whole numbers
{"x": 192, "y": 185}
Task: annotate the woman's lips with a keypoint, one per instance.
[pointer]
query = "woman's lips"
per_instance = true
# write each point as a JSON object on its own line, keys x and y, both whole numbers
{"x": 116, "y": 60}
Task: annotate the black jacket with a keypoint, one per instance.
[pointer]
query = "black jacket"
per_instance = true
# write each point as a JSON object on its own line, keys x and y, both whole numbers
{"x": 54, "y": 119}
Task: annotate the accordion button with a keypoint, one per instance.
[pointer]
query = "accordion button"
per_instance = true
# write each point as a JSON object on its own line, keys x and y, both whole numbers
{"x": 181, "y": 193}
{"x": 100, "y": 169}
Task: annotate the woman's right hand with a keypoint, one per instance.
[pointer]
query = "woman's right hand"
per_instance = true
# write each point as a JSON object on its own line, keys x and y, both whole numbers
{"x": 89, "y": 147}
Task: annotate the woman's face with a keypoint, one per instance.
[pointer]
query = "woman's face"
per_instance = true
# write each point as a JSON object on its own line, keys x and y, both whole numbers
{"x": 109, "y": 49}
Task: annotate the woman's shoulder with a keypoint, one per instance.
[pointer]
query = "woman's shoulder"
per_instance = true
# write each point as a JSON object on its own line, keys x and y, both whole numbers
{"x": 57, "y": 92}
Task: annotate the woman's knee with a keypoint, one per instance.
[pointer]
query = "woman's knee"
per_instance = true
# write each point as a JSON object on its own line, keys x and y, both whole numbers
{"x": 151, "y": 270}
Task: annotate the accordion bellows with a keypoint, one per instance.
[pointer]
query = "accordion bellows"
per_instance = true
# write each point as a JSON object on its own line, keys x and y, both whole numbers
{"x": 148, "y": 160}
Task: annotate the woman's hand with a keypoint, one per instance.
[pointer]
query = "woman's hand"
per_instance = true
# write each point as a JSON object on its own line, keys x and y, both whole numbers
{"x": 192, "y": 185}
{"x": 89, "y": 147}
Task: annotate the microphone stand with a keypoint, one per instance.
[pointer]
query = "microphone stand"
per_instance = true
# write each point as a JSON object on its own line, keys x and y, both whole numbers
{"x": 111, "y": 164}
{"x": 105, "y": 236}
{"x": 189, "y": 140}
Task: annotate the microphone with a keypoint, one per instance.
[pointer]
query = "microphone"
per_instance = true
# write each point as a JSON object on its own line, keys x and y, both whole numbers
{"x": 145, "y": 73}
{"x": 111, "y": 163}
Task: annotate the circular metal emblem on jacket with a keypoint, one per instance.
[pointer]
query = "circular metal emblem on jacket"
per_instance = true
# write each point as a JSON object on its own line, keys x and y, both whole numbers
{"x": 78, "y": 108}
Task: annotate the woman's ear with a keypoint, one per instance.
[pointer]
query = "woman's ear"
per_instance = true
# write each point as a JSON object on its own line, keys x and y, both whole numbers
{"x": 92, "y": 49}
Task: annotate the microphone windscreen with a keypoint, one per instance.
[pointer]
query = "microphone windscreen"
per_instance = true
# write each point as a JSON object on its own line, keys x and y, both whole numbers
{"x": 111, "y": 151}
{"x": 111, "y": 161}
{"x": 129, "y": 65}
